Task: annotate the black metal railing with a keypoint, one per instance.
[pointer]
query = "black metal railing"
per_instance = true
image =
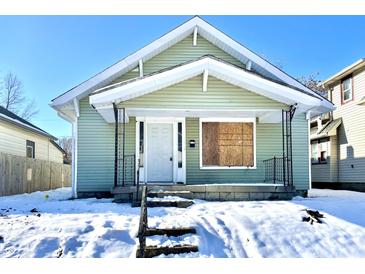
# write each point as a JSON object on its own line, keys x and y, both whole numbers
{"x": 124, "y": 164}
{"x": 275, "y": 170}
{"x": 137, "y": 182}
{"x": 127, "y": 170}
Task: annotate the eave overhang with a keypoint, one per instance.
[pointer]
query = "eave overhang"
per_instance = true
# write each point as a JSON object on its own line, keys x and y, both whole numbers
{"x": 104, "y": 98}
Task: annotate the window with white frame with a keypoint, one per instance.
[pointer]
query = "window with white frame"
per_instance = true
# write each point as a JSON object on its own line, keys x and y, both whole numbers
{"x": 227, "y": 143}
{"x": 346, "y": 88}
{"x": 320, "y": 151}
{"x": 30, "y": 149}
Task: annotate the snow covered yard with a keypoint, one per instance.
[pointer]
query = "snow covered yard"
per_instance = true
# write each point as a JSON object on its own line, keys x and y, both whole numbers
{"x": 60, "y": 227}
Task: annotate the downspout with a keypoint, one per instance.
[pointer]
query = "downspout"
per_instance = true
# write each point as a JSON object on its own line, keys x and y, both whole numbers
{"x": 74, "y": 158}
{"x": 308, "y": 115}
{"x": 74, "y": 150}
{"x": 75, "y": 145}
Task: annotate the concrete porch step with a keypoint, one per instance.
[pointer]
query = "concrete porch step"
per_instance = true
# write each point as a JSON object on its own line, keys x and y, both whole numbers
{"x": 167, "y": 203}
{"x": 170, "y": 231}
{"x": 161, "y": 194}
{"x": 122, "y": 198}
{"x": 209, "y": 192}
{"x": 153, "y": 251}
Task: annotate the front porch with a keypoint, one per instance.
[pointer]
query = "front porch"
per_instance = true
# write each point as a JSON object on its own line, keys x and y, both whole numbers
{"x": 207, "y": 129}
{"x": 180, "y": 166}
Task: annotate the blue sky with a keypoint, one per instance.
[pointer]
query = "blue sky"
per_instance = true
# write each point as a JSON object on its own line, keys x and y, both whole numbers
{"x": 51, "y": 54}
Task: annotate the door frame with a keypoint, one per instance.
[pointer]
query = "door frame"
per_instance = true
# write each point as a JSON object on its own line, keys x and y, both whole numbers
{"x": 178, "y": 174}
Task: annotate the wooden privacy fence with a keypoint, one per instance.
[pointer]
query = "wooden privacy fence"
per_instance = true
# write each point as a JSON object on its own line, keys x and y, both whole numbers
{"x": 24, "y": 175}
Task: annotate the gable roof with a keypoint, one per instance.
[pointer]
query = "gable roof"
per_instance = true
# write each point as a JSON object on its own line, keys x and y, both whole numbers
{"x": 125, "y": 82}
{"x": 103, "y": 98}
{"x": 15, "y": 119}
{"x": 344, "y": 72}
{"x": 205, "y": 30}
{"x": 215, "y": 67}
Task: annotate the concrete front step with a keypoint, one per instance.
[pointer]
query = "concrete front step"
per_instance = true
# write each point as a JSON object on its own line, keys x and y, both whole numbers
{"x": 221, "y": 192}
{"x": 161, "y": 194}
{"x": 177, "y": 203}
{"x": 170, "y": 231}
{"x": 153, "y": 251}
{"x": 123, "y": 198}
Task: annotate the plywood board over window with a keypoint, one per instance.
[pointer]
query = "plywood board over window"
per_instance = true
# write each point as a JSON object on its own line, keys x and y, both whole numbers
{"x": 227, "y": 144}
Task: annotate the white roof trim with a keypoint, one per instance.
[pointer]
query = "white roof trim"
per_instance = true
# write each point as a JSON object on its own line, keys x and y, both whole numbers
{"x": 204, "y": 29}
{"x": 342, "y": 73}
{"x": 218, "y": 69}
{"x": 26, "y": 126}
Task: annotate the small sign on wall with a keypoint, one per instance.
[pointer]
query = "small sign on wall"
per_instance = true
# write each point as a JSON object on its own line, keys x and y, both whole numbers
{"x": 191, "y": 143}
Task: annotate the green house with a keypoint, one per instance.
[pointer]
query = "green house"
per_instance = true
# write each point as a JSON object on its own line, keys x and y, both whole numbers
{"x": 192, "y": 110}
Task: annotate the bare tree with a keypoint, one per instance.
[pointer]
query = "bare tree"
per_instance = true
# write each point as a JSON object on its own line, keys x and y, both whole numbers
{"x": 66, "y": 144}
{"x": 313, "y": 83}
{"x": 12, "y": 97}
{"x": 29, "y": 111}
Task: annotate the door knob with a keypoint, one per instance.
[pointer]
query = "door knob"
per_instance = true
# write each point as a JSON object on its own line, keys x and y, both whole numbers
{"x": 170, "y": 158}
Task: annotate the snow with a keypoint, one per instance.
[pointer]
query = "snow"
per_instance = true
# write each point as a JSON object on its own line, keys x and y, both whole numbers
{"x": 62, "y": 227}
{"x": 168, "y": 198}
{"x": 66, "y": 228}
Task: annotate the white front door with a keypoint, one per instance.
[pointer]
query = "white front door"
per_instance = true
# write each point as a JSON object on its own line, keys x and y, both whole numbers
{"x": 159, "y": 152}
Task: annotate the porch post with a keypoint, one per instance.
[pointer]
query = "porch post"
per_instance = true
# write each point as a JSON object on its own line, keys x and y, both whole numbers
{"x": 286, "y": 121}
{"x": 283, "y": 133}
{"x": 123, "y": 146}
{"x": 291, "y": 114}
{"x": 274, "y": 170}
{"x": 115, "y": 146}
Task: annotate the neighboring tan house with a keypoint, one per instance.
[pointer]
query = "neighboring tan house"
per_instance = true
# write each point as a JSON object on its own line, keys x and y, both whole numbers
{"x": 192, "y": 110}
{"x": 21, "y": 138}
{"x": 338, "y": 138}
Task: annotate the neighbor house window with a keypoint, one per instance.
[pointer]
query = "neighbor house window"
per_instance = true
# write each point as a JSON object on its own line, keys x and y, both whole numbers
{"x": 346, "y": 90}
{"x": 30, "y": 149}
{"x": 319, "y": 151}
{"x": 227, "y": 144}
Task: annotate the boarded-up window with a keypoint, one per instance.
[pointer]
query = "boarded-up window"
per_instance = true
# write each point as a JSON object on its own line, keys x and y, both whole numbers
{"x": 227, "y": 144}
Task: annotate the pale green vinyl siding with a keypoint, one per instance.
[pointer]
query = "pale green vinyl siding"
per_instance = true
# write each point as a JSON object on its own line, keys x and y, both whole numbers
{"x": 96, "y": 149}
{"x": 96, "y": 137}
{"x": 268, "y": 145}
{"x": 181, "y": 52}
{"x": 300, "y": 152}
{"x": 188, "y": 94}
{"x": 268, "y": 139}
{"x": 96, "y": 152}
